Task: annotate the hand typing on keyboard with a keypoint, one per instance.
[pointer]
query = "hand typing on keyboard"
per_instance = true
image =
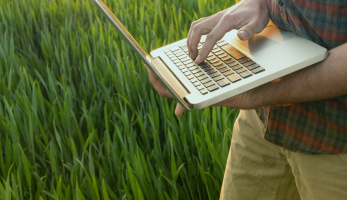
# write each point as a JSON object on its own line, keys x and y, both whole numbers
{"x": 248, "y": 16}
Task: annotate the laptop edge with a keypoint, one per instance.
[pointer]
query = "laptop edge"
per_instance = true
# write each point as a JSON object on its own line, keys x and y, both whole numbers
{"x": 158, "y": 68}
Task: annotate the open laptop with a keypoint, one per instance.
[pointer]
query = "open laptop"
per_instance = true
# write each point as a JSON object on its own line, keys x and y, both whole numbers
{"x": 232, "y": 67}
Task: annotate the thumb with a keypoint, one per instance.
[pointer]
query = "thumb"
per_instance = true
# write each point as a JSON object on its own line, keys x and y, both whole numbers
{"x": 179, "y": 110}
{"x": 246, "y": 32}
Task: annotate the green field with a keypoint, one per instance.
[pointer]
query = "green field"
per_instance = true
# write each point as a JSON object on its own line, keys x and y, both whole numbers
{"x": 79, "y": 118}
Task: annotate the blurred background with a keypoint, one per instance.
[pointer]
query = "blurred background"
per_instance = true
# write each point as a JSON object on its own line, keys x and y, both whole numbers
{"x": 79, "y": 118}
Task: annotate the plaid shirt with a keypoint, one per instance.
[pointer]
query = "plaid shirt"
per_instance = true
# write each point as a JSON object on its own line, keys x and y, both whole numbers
{"x": 312, "y": 127}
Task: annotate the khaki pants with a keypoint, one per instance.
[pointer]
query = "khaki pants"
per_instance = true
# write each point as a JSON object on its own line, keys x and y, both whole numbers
{"x": 257, "y": 169}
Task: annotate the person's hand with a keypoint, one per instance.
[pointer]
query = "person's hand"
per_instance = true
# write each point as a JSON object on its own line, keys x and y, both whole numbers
{"x": 248, "y": 16}
{"x": 162, "y": 91}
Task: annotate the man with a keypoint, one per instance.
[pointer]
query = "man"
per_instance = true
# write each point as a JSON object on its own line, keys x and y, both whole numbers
{"x": 290, "y": 139}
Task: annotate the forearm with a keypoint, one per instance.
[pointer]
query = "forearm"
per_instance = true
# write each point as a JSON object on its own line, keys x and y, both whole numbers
{"x": 323, "y": 80}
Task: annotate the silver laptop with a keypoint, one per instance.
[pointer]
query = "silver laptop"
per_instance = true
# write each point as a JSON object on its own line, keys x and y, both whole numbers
{"x": 232, "y": 67}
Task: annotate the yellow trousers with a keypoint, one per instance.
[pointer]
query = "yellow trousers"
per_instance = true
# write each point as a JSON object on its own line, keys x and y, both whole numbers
{"x": 257, "y": 169}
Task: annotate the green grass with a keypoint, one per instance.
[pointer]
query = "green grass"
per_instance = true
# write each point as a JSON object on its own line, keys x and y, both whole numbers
{"x": 78, "y": 116}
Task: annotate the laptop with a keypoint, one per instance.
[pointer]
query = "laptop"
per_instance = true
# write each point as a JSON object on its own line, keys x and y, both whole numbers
{"x": 232, "y": 67}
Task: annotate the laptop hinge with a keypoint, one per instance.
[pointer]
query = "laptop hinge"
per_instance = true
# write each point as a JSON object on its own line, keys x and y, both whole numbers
{"x": 172, "y": 83}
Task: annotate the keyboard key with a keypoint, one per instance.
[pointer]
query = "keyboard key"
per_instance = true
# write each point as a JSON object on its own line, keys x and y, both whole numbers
{"x": 217, "y": 63}
{"x": 213, "y": 88}
{"x": 254, "y": 66}
{"x": 190, "y": 65}
{"x": 219, "y": 53}
{"x": 200, "y": 87}
{"x": 185, "y": 59}
{"x": 167, "y": 51}
{"x": 216, "y": 50}
{"x": 199, "y": 74}
{"x": 227, "y": 73}
{"x": 257, "y": 70}
{"x": 202, "y": 77}
{"x": 211, "y": 58}
{"x": 233, "y": 78}
{"x": 227, "y": 58}
{"x": 203, "y": 91}
{"x": 181, "y": 67}
{"x": 193, "y": 80}
{"x": 182, "y": 57}
{"x": 214, "y": 74}
{"x": 211, "y": 71}
{"x": 215, "y": 47}
{"x": 240, "y": 70}
{"x": 187, "y": 73}
{"x": 230, "y": 62}
{"x": 223, "y": 82}
{"x": 246, "y": 74}
{"x": 222, "y": 55}
{"x": 187, "y": 62}
{"x": 208, "y": 84}
{"x": 214, "y": 60}
{"x": 233, "y": 52}
{"x": 219, "y": 41}
{"x": 190, "y": 77}
{"x": 206, "y": 69}
{"x": 203, "y": 65}
{"x": 217, "y": 78}
{"x": 243, "y": 60}
{"x": 176, "y": 61}
{"x": 196, "y": 84}
{"x": 222, "y": 43}
{"x": 184, "y": 70}
{"x": 193, "y": 68}
{"x": 196, "y": 71}
{"x": 221, "y": 66}
{"x": 246, "y": 64}
{"x": 206, "y": 80}
{"x": 224, "y": 70}
{"x": 180, "y": 54}
{"x": 173, "y": 58}
{"x": 175, "y": 49}
{"x": 236, "y": 67}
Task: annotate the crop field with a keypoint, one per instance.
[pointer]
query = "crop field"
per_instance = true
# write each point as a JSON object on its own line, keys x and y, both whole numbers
{"x": 79, "y": 118}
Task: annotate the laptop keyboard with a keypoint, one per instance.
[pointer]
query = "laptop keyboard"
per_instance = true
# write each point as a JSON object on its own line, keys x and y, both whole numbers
{"x": 223, "y": 66}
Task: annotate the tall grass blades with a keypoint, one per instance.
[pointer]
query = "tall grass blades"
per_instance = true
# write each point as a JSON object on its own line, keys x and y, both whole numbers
{"x": 78, "y": 116}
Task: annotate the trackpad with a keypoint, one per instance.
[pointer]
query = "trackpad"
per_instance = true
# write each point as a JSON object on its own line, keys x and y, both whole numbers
{"x": 270, "y": 36}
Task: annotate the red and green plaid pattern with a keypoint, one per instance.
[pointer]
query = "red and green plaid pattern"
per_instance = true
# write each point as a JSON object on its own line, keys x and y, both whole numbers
{"x": 313, "y": 127}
